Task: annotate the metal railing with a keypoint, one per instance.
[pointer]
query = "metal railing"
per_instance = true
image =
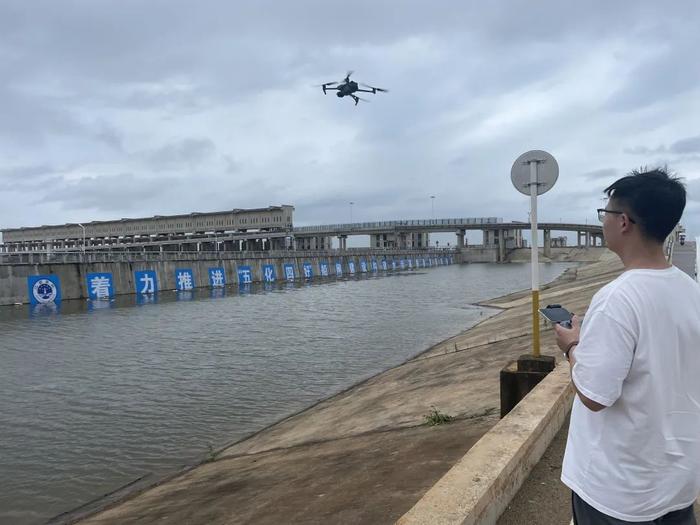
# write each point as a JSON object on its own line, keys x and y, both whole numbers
{"x": 355, "y": 226}
{"x": 111, "y": 257}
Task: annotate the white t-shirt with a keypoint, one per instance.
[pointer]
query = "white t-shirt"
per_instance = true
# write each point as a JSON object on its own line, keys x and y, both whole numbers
{"x": 639, "y": 355}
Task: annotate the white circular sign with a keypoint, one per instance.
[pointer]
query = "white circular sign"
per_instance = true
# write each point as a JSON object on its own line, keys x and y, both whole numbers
{"x": 547, "y": 171}
{"x": 44, "y": 291}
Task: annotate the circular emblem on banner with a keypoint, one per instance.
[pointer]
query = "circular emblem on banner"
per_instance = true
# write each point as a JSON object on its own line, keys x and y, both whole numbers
{"x": 44, "y": 291}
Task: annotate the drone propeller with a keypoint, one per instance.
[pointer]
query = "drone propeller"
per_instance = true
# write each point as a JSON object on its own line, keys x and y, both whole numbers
{"x": 375, "y": 88}
{"x": 326, "y": 84}
{"x": 362, "y": 99}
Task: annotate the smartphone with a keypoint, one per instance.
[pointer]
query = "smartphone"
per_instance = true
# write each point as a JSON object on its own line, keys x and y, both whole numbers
{"x": 554, "y": 313}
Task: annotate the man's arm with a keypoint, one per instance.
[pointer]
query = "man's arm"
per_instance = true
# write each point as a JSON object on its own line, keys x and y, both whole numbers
{"x": 589, "y": 403}
{"x": 568, "y": 339}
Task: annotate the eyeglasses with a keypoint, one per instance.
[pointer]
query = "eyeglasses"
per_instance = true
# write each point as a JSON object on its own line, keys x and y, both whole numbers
{"x": 603, "y": 211}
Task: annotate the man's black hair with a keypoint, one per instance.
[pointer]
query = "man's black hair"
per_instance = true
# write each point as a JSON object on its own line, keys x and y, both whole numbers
{"x": 652, "y": 198}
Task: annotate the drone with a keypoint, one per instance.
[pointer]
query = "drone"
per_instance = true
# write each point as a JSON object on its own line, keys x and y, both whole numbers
{"x": 348, "y": 88}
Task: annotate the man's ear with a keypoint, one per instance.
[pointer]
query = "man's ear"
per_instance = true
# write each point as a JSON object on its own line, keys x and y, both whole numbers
{"x": 626, "y": 223}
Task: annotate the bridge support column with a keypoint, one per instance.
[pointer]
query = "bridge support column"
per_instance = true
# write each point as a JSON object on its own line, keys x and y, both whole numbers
{"x": 342, "y": 242}
{"x": 588, "y": 239}
{"x": 547, "y": 243}
{"x": 460, "y": 239}
{"x": 501, "y": 246}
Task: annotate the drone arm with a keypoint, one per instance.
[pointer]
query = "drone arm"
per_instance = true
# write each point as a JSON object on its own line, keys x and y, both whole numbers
{"x": 367, "y": 90}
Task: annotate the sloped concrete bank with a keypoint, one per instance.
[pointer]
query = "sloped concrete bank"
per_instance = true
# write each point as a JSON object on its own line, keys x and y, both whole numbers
{"x": 365, "y": 455}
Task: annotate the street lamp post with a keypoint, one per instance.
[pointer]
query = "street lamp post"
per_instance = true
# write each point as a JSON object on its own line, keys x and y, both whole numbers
{"x": 432, "y": 206}
{"x": 351, "y": 203}
{"x": 83, "y": 227}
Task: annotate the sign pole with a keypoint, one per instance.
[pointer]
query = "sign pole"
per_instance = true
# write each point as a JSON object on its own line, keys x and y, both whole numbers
{"x": 533, "y": 173}
{"x": 534, "y": 259}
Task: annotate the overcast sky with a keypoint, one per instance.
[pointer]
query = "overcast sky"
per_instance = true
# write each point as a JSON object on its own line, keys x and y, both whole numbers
{"x": 136, "y": 108}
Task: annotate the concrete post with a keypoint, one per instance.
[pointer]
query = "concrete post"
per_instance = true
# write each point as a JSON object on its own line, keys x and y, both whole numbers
{"x": 501, "y": 246}
{"x": 460, "y": 239}
{"x": 588, "y": 239}
{"x": 547, "y": 243}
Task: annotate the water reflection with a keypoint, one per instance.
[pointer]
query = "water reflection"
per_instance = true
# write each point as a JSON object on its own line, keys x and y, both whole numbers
{"x": 129, "y": 391}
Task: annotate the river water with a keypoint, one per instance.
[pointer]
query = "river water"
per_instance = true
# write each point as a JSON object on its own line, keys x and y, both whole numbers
{"x": 94, "y": 398}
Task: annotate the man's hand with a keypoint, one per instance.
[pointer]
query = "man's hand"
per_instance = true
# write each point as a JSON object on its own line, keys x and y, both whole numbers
{"x": 566, "y": 336}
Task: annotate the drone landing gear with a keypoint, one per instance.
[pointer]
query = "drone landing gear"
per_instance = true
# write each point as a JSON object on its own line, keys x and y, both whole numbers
{"x": 356, "y": 99}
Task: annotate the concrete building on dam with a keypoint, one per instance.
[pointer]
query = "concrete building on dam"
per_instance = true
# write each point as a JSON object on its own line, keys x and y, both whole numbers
{"x": 256, "y": 229}
{"x": 272, "y": 229}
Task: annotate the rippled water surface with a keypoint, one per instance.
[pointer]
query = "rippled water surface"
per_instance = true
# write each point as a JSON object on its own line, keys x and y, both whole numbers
{"x": 91, "y": 399}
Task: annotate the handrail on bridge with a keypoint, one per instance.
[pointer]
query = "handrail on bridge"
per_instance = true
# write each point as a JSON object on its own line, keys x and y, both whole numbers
{"x": 107, "y": 257}
{"x": 391, "y": 224}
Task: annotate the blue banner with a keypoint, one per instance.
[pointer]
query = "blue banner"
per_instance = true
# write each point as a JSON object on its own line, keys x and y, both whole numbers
{"x": 308, "y": 270}
{"x": 217, "y": 277}
{"x": 385, "y": 267}
{"x": 269, "y": 274}
{"x": 100, "y": 286}
{"x": 44, "y": 289}
{"x": 184, "y": 279}
{"x": 245, "y": 275}
{"x": 410, "y": 264}
{"x": 375, "y": 268}
{"x": 146, "y": 281}
{"x": 323, "y": 266}
{"x": 363, "y": 266}
{"x": 289, "y": 271}
{"x": 351, "y": 267}
{"x": 393, "y": 264}
{"x": 338, "y": 269}
{"x": 402, "y": 263}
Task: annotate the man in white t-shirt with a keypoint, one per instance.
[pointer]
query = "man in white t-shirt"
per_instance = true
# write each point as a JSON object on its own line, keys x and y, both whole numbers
{"x": 633, "y": 451}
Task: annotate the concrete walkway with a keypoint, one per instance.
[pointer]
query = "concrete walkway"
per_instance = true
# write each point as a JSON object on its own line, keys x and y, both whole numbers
{"x": 364, "y": 455}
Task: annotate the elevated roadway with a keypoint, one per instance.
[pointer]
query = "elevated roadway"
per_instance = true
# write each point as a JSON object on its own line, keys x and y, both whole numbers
{"x": 439, "y": 225}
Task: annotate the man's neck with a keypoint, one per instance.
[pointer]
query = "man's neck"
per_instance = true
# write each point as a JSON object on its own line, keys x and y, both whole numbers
{"x": 644, "y": 258}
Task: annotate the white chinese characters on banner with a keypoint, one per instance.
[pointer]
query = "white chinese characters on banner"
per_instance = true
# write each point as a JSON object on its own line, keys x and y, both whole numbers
{"x": 269, "y": 273}
{"x": 100, "y": 286}
{"x": 245, "y": 275}
{"x": 184, "y": 280}
{"x": 324, "y": 269}
{"x": 289, "y": 272}
{"x": 217, "y": 277}
{"x": 308, "y": 271}
{"x": 146, "y": 282}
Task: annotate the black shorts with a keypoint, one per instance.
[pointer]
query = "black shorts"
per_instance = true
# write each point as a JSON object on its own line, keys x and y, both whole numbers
{"x": 584, "y": 514}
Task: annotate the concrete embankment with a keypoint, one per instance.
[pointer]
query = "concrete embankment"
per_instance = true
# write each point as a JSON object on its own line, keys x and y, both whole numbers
{"x": 74, "y": 283}
{"x": 365, "y": 455}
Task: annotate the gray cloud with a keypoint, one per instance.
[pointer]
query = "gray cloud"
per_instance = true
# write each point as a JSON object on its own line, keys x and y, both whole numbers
{"x": 689, "y": 145}
{"x": 186, "y": 152}
{"x": 112, "y": 193}
{"x": 169, "y": 107}
{"x": 604, "y": 173}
